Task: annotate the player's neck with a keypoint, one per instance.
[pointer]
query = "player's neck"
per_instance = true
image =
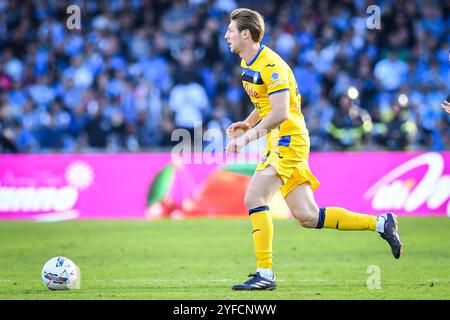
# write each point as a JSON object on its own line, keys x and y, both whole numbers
{"x": 250, "y": 53}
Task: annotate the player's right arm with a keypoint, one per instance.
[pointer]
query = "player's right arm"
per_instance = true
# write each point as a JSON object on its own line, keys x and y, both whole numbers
{"x": 237, "y": 129}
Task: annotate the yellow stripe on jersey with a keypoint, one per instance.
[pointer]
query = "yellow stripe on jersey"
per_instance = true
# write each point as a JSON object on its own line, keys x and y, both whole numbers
{"x": 268, "y": 74}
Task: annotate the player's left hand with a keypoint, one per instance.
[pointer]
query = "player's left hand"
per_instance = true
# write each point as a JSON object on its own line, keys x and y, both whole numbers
{"x": 235, "y": 145}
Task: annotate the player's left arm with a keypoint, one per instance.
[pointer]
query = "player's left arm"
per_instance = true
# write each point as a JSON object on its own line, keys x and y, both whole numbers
{"x": 279, "y": 113}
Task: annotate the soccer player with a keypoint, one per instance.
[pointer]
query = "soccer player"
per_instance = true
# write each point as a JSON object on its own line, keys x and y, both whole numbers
{"x": 273, "y": 90}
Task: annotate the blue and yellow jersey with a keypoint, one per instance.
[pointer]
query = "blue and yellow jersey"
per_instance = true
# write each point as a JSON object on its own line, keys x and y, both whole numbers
{"x": 267, "y": 74}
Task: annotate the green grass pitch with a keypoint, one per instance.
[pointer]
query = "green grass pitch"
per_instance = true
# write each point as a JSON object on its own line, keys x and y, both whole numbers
{"x": 201, "y": 258}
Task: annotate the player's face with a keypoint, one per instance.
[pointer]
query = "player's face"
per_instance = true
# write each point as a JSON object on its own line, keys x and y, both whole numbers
{"x": 234, "y": 38}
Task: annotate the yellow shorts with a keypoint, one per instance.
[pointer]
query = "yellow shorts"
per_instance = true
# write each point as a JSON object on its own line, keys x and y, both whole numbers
{"x": 288, "y": 155}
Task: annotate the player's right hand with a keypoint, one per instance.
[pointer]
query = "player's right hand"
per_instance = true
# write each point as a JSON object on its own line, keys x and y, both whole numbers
{"x": 235, "y": 130}
{"x": 446, "y": 106}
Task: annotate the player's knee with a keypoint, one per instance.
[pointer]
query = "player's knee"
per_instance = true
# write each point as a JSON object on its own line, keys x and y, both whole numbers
{"x": 306, "y": 218}
{"x": 252, "y": 201}
{"x": 308, "y": 222}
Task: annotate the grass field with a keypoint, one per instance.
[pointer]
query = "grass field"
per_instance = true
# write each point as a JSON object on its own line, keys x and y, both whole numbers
{"x": 201, "y": 259}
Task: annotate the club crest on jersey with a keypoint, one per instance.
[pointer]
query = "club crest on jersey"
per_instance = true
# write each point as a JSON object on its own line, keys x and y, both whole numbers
{"x": 255, "y": 77}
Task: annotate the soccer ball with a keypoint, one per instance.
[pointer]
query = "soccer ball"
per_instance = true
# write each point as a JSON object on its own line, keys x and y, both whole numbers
{"x": 60, "y": 273}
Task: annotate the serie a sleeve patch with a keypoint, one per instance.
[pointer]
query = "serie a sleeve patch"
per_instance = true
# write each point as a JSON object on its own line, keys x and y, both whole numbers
{"x": 277, "y": 81}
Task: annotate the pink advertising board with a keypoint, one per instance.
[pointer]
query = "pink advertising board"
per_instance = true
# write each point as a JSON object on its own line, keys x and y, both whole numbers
{"x": 119, "y": 186}
{"x": 375, "y": 182}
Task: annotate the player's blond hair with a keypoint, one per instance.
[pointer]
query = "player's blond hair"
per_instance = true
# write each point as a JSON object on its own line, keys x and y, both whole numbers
{"x": 251, "y": 20}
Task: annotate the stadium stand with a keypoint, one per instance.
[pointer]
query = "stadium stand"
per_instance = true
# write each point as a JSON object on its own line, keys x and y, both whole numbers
{"x": 138, "y": 69}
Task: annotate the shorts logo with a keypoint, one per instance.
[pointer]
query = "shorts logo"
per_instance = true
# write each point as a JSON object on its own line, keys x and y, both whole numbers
{"x": 264, "y": 158}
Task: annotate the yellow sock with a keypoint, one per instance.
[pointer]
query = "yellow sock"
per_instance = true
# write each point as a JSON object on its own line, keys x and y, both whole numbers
{"x": 343, "y": 219}
{"x": 262, "y": 236}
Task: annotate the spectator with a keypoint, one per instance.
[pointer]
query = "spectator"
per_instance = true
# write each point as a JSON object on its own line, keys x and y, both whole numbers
{"x": 401, "y": 130}
{"x": 166, "y": 127}
{"x": 380, "y": 129}
{"x": 216, "y": 129}
{"x": 7, "y": 141}
{"x": 349, "y": 126}
{"x": 189, "y": 102}
{"x": 98, "y": 126}
{"x": 390, "y": 72}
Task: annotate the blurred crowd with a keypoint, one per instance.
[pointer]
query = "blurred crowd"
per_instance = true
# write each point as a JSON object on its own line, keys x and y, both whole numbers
{"x": 138, "y": 69}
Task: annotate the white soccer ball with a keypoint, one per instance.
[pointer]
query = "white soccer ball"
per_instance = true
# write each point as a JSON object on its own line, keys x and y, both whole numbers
{"x": 61, "y": 273}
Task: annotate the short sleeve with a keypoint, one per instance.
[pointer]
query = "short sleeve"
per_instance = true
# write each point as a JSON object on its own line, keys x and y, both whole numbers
{"x": 276, "y": 78}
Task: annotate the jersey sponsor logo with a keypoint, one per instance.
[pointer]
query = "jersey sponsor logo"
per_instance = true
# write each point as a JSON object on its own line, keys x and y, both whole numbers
{"x": 250, "y": 91}
{"x": 270, "y": 65}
